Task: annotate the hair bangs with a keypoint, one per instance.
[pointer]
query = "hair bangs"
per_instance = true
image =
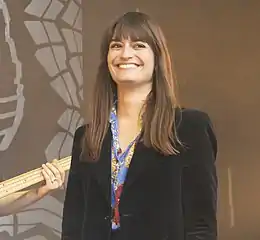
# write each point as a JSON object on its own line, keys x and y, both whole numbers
{"x": 133, "y": 31}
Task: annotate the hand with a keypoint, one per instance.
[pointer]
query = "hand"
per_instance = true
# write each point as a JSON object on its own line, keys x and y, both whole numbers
{"x": 54, "y": 177}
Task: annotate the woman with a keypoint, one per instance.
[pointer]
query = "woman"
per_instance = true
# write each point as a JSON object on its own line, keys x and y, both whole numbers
{"x": 54, "y": 177}
{"x": 143, "y": 168}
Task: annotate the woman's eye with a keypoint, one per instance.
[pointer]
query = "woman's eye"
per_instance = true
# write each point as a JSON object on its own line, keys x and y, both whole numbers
{"x": 115, "y": 45}
{"x": 139, "y": 45}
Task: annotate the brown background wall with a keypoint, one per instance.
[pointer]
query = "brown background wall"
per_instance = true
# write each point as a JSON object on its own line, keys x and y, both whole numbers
{"x": 215, "y": 48}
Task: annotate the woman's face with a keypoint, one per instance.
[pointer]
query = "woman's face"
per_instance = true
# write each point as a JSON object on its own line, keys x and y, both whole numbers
{"x": 130, "y": 62}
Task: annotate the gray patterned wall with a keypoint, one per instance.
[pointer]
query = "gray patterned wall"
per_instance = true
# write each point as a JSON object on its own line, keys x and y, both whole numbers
{"x": 41, "y": 92}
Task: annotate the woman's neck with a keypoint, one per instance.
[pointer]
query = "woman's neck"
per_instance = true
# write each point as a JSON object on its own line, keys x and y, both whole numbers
{"x": 131, "y": 101}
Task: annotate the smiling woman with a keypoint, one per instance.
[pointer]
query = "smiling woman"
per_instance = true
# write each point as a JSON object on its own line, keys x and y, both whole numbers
{"x": 130, "y": 62}
{"x": 143, "y": 168}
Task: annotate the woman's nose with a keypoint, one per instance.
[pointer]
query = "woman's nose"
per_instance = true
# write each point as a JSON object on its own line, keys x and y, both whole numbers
{"x": 127, "y": 52}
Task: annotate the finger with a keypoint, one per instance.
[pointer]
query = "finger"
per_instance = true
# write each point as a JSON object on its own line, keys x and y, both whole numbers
{"x": 54, "y": 170}
{"x": 50, "y": 182}
{"x": 60, "y": 169}
{"x": 48, "y": 171}
{"x": 57, "y": 173}
{"x": 54, "y": 166}
{"x": 46, "y": 176}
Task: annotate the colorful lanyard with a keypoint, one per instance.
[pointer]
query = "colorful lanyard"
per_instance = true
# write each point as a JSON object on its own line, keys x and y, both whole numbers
{"x": 120, "y": 165}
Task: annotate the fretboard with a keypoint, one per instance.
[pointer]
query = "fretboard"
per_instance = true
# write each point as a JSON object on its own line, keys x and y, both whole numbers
{"x": 28, "y": 179}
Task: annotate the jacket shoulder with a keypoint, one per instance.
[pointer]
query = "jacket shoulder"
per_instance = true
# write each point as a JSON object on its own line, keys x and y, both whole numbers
{"x": 194, "y": 127}
{"x": 79, "y": 133}
{"x": 77, "y": 144}
{"x": 189, "y": 117}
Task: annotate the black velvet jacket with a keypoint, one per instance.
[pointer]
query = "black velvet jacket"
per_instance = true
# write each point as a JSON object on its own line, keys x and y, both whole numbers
{"x": 164, "y": 197}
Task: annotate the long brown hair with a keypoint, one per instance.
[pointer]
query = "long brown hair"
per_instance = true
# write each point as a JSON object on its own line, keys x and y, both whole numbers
{"x": 159, "y": 130}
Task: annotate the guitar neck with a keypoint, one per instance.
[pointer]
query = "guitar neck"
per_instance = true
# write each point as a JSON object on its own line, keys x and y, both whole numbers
{"x": 28, "y": 179}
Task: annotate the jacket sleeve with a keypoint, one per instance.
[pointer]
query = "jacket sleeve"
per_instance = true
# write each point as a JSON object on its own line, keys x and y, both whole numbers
{"x": 73, "y": 210}
{"x": 199, "y": 179}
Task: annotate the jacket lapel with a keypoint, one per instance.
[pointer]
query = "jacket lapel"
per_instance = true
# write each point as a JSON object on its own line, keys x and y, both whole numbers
{"x": 143, "y": 160}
